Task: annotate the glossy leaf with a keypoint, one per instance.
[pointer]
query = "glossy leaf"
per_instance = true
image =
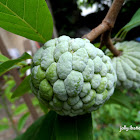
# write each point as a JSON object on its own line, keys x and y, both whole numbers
{"x": 55, "y": 127}
{"x": 74, "y": 128}
{"x": 85, "y": 129}
{"x": 7, "y": 65}
{"x": 28, "y": 18}
{"x": 40, "y": 129}
{"x": 23, "y": 88}
{"x": 66, "y": 128}
{"x": 134, "y": 22}
{"x": 3, "y": 58}
{"x": 22, "y": 121}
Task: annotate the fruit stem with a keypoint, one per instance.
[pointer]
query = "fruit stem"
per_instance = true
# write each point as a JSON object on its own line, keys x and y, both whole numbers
{"x": 106, "y": 40}
{"x": 104, "y": 29}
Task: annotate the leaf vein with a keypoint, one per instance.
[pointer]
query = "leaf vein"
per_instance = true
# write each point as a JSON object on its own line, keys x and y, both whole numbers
{"x": 24, "y": 10}
{"x": 43, "y": 39}
{"x": 8, "y": 14}
{"x": 25, "y": 31}
{"x": 6, "y": 2}
{"x": 37, "y": 12}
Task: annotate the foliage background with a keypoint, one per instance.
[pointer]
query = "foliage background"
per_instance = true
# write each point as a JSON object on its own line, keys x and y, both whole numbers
{"x": 70, "y": 22}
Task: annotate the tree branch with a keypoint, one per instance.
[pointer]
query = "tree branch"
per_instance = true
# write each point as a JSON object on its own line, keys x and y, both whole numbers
{"x": 113, "y": 12}
{"x": 106, "y": 40}
{"x": 106, "y": 25}
{"x": 94, "y": 33}
{"x": 14, "y": 73}
{"x": 108, "y": 22}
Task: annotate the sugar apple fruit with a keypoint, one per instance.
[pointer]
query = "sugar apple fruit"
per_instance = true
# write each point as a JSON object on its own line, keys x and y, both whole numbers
{"x": 71, "y": 76}
{"x": 127, "y": 65}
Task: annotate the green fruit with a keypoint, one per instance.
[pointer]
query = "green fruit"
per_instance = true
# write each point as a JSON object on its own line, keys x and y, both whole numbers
{"x": 127, "y": 65}
{"x": 71, "y": 76}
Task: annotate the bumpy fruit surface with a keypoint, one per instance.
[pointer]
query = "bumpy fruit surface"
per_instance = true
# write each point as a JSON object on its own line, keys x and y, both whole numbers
{"x": 71, "y": 76}
{"x": 127, "y": 65}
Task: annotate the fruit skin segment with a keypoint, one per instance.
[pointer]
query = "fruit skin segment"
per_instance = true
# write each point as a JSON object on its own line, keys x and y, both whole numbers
{"x": 71, "y": 76}
{"x": 127, "y": 65}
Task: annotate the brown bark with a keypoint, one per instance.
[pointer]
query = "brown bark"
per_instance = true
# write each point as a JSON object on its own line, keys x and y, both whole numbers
{"x": 94, "y": 33}
{"x": 106, "y": 26}
{"x": 14, "y": 73}
{"x": 26, "y": 97}
{"x": 113, "y": 12}
{"x": 106, "y": 40}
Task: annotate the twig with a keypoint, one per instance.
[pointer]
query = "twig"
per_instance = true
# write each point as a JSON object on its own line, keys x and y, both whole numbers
{"x": 107, "y": 25}
{"x": 106, "y": 40}
{"x": 94, "y": 33}
{"x": 113, "y": 12}
{"x": 26, "y": 97}
{"x": 14, "y": 73}
{"x": 117, "y": 39}
{"x": 9, "y": 115}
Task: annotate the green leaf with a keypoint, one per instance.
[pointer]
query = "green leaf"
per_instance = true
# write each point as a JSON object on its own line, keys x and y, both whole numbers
{"x": 97, "y": 45}
{"x": 24, "y": 69}
{"x": 20, "y": 109}
{"x": 85, "y": 129}
{"x": 22, "y": 121}
{"x": 40, "y": 129}
{"x": 3, "y": 58}
{"x": 4, "y": 124}
{"x": 23, "y": 88}
{"x": 43, "y": 107}
{"x": 4, "y": 120}
{"x": 6, "y": 66}
{"x": 134, "y": 22}
{"x": 1, "y": 106}
{"x": 55, "y": 127}
{"x": 66, "y": 128}
{"x": 74, "y": 128}
{"x": 120, "y": 98}
{"x": 35, "y": 101}
{"x": 28, "y": 18}
{"x": 4, "y": 127}
{"x": 23, "y": 108}
{"x": 9, "y": 85}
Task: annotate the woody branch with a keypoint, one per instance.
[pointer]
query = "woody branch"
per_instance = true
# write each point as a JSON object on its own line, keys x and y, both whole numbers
{"x": 104, "y": 29}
